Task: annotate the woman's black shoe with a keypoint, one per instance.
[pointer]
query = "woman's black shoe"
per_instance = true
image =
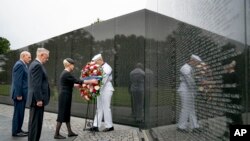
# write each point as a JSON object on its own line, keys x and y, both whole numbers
{"x": 72, "y": 134}
{"x": 59, "y": 137}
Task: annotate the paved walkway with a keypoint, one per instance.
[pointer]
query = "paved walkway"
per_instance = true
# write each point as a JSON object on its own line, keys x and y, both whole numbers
{"x": 121, "y": 133}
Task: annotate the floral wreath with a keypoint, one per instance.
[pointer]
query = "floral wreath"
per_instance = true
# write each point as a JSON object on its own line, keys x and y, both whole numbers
{"x": 91, "y": 71}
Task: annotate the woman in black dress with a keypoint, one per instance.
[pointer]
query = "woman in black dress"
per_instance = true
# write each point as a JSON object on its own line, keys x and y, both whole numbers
{"x": 67, "y": 81}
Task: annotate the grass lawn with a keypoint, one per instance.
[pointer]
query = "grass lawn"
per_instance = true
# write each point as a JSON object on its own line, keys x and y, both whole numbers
{"x": 121, "y": 96}
{"x": 5, "y": 90}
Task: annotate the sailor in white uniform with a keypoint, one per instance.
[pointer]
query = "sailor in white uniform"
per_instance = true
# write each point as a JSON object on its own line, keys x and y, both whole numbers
{"x": 187, "y": 92}
{"x": 104, "y": 99}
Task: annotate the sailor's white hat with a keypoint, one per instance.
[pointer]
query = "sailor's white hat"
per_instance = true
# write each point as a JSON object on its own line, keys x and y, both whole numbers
{"x": 96, "y": 57}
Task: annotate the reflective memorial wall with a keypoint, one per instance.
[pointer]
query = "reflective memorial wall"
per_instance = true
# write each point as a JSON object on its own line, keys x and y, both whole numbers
{"x": 157, "y": 87}
{"x": 201, "y": 102}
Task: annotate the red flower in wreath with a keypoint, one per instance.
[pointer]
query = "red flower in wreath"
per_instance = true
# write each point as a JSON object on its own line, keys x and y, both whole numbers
{"x": 91, "y": 71}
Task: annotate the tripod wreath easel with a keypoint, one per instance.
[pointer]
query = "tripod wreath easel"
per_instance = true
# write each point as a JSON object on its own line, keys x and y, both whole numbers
{"x": 88, "y": 121}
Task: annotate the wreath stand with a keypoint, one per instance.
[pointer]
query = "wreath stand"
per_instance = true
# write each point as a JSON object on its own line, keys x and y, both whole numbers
{"x": 88, "y": 121}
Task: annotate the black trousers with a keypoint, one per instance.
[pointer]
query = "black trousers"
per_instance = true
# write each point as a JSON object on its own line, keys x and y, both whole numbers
{"x": 35, "y": 122}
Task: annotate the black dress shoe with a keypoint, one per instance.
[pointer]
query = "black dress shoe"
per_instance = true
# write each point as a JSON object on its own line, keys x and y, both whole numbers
{"x": 72, "y": 134}
{"x": 59, "y": 137}
{"x": 108, "y": 129}
{"x": 25, "y": 132}
{"x": 20, "y": 135}
{"x": 93, "y": 129}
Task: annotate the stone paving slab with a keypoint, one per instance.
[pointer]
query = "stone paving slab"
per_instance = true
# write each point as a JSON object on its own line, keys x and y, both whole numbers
{"x": 5, "y": 134}
{"x": 121, "y": 132}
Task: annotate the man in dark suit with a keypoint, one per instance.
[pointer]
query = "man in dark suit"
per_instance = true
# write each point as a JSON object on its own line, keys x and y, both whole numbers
{"x": 39, "y": 93}
{"x": 19, "y": 91}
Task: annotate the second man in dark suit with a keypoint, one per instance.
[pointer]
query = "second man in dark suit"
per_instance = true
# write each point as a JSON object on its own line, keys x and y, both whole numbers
{"x": 39, "y": 93}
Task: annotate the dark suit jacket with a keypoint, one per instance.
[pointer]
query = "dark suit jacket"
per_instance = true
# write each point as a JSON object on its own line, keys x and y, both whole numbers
{"x": 38, "y": 84}
{"x": 19, "y": 85}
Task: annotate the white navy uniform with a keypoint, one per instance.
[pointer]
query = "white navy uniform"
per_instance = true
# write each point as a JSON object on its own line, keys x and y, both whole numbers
{"x": 104, "y": 99}
{"x": 187, "y": 92}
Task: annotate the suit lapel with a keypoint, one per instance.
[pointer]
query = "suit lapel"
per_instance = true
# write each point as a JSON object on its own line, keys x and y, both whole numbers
{"x": 24, "y": 65}
{"x": 44, "y": 70}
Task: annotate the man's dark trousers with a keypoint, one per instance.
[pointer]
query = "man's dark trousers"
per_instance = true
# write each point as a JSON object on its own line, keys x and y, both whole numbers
{"x": 18, "y": 116}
